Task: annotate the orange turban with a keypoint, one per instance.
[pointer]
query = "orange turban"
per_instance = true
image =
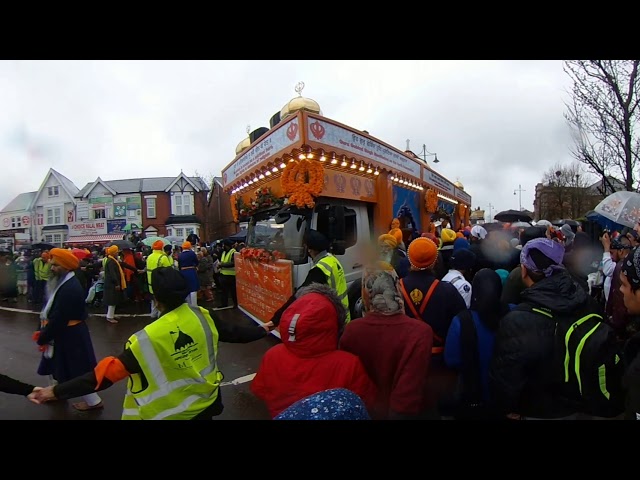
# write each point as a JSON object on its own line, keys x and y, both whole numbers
{"x": 397, "y": 233}
{"x": 186, "y": 245}
{"x": 459, "y": 235}
{"x": 65, "y": 258}
{"x": 112, "y": 250}
{"x": 423, "y": 253}
{"x": 388, "y": 239}
{"x": 158, "y": 245}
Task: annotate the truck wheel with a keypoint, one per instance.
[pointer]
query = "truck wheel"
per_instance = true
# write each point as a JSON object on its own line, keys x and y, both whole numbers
{"x": 356, "y": 307}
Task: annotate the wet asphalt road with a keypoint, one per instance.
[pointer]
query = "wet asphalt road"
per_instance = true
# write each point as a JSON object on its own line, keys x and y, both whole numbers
{"x": 19, "y": 359}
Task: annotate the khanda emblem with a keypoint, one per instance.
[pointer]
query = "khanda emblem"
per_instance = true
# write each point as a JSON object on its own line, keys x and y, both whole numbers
{"x": 181, "y": 340}
{"x": 340, "y": 182}
{"x": 292, "y": 131}
{"x": 416, "y": 296}
{"x": 369, "y": 187}
{"x": 355, "y": 186}
{"x": 317, "y": 130}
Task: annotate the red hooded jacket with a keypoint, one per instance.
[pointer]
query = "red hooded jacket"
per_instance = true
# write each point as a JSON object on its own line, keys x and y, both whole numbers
{"x": 309, "y": 361}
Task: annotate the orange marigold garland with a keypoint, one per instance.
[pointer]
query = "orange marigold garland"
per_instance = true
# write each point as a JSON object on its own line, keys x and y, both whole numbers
{"x": 261, "y": 255}
{"x": 303, "y": 181}
{"x": 430, "y": 200}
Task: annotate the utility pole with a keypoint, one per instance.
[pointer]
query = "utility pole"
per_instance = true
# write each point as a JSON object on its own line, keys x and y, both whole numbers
{"x": 520, "y": 190}
{"x": 491, "y": 207}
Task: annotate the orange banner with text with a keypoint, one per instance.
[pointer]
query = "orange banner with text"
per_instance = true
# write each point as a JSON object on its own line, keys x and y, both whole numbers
{"x": 262, "y": 288}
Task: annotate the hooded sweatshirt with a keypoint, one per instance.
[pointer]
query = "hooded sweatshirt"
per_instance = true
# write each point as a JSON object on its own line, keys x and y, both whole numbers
{"x": 308, "y": 360}
{"x": 522, "y": 368}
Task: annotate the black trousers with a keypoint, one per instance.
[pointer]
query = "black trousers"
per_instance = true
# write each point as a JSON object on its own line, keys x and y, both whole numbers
{"x": 228, "y": 284}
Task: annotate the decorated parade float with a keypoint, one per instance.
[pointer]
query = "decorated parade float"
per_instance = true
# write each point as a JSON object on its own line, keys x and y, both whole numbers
{"x": 308, "y": 171}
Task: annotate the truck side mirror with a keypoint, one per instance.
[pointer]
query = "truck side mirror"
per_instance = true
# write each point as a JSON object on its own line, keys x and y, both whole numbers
{"x": 336, "y": 221}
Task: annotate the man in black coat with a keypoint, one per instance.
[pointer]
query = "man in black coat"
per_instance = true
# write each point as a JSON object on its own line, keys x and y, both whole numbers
{"x": 522, "y": 368}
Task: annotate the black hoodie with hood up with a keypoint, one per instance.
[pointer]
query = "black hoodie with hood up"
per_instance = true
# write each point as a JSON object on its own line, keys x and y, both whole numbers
{"x": 521, "y": 373}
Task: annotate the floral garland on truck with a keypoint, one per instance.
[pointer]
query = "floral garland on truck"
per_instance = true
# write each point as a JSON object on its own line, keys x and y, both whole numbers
{"x": 264, "y": 199}
{"x": 261, "y": 255}
{"x": 303, "y": 181}
{"x": 430, "y": 201}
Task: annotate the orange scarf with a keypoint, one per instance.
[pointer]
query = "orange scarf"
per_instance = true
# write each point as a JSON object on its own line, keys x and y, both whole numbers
{"x": 123, "y": 282}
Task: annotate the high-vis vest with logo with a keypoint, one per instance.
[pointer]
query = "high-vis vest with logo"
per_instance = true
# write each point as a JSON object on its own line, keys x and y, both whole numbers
{"x": 177, "y": 354}
{"x": 227, "y": 257}
{"x": 41, "y": 269}
{"x": 331, "y": 267}
{"x": 155, "y": 260}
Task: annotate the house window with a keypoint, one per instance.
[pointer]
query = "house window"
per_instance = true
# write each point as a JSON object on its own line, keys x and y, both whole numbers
{"x": 180, "y": 232}
{"x": 151, "y": 208}
{"x": 189, "y": 231}
{"x": 57, "y": 239}
{"x": 132, "y": 214}
{"x": 16, "y": 222}
{"x": 53, "y": 191}
{"x": 182, "y": 204}
{"x": 169, "y": 234}
{"x": 54, "y": 216}
{"x": 48, "y": 238}
{"x": 99, "y": 213}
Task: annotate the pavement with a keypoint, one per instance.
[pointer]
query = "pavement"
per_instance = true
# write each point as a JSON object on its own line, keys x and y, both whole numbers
{"x": 19, "y": 358}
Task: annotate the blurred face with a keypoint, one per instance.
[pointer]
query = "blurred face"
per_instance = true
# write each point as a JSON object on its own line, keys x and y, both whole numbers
{"x": 631, "y": 298}
{"x": 56, "y": 270}
{"x": 385, "y": 249}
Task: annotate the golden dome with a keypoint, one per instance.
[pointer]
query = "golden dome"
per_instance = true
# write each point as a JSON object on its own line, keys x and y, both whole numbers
{"x": 299, "y": 103}
{"x": 243, "y": 145}
{"x": 459, "y": 185}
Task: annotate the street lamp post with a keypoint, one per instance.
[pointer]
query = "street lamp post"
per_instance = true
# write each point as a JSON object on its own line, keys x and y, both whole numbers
{"x": 491, "y": 207}
{"x": 425, "y": 153}
{"x": 520, "y": 190}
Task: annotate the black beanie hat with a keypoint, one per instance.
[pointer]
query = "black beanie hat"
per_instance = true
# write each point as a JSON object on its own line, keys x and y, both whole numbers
{"x": 316, "y": 241}
{"x": 169, "y": 286}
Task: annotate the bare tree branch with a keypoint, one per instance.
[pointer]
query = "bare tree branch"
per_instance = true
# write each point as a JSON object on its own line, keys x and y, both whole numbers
{"x": 604, "y": 112}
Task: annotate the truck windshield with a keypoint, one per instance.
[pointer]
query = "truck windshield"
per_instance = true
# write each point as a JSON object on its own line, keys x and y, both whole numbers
{"x": 287, "y": 237}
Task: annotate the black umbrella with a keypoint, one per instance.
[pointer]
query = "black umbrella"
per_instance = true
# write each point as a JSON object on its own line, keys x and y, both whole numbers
{"x": 122, "y": 244}
{"x": 42, "y": 246}
{"x": 512, "y": 216}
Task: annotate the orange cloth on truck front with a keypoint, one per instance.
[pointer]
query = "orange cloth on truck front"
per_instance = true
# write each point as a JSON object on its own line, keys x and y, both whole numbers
{"x": 110, "y": 368}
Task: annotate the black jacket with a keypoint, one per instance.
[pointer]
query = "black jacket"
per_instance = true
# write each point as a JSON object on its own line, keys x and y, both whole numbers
{"x": 631, "y": 379}
{"x": 521, "y": 373}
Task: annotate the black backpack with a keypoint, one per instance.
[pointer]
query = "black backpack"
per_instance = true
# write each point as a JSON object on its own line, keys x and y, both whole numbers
{"x": 588, "y": 363}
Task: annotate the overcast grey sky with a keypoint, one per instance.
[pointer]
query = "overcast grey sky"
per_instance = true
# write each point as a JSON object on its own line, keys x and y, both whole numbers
{"x": 495, "y": 125}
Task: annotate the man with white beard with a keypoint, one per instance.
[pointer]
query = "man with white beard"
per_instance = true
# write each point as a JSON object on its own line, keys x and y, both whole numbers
{"x": 64, "y": 338}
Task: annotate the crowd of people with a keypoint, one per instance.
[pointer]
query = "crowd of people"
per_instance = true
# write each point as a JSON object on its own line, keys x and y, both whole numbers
{"x": 455, "y": 325}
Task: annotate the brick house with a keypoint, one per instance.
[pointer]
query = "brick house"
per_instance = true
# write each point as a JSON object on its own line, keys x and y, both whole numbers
{"x": 163, "y": 206}
{"x": 221, "y": 223}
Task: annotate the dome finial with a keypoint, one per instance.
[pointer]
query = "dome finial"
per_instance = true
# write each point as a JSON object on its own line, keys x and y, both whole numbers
{"x": 299, "y": 88}
{"x": 248, "y": 129}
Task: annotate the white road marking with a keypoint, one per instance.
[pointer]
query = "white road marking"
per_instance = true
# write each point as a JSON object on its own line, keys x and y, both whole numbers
{"x": 128, "y": 315}
{"x": 239, "y": 380}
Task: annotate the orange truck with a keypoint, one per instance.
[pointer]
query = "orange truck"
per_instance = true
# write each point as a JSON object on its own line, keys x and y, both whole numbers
{"x": 310, "y": 172}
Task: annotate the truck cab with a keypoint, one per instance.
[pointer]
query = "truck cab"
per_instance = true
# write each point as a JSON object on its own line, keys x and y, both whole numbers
{"x": 345, "y": 222}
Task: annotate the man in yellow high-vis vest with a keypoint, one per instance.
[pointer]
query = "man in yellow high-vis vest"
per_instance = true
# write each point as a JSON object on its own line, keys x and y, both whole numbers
{"x": 171, "y": 363}
{"x": 228, "y": 275}
{"x": 326, "y": 269}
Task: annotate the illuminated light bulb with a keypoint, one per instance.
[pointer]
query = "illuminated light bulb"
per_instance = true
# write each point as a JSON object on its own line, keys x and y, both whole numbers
{"x": 261, "y": 176}
{"x": 334, "y": 160}
{"x": 283, "y": 165}
{"x": 376, "y": 172}
{"x": 344, "y": 161}
{"x": 274, "y": 169}
{"x": 353, "y": 165}
{"x": 361, "y": 167}
{"x": 323, "y": 158}
{"x": 268, "y": 172}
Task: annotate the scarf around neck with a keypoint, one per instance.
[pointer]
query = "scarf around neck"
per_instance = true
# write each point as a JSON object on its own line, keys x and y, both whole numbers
{"x": 123, "y": 281}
